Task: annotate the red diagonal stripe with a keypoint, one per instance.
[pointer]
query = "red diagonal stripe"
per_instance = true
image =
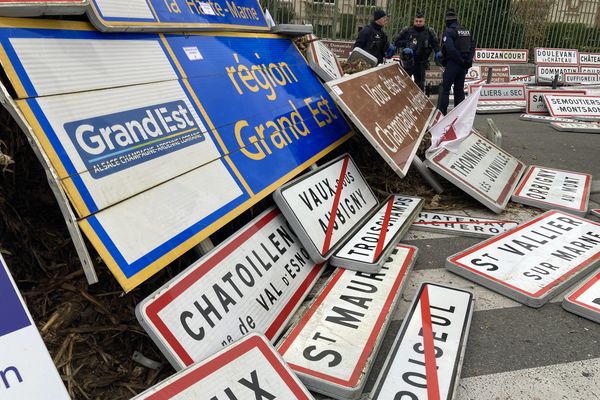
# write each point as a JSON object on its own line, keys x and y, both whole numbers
{"x": 383, "y": 232}
{"x": 433, "y": 389}
{"x": 336, "y": 202}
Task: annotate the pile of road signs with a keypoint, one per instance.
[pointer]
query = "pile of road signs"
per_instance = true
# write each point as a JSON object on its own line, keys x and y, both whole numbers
{"x": 460, "y": 225}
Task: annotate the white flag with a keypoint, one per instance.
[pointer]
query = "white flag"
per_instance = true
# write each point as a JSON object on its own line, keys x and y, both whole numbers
{"x": 450, "y": 131}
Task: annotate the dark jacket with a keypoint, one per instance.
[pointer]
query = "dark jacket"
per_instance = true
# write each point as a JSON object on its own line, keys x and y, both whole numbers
{"x": 422, "y": 42}
{"x": 373, "y": 40}
{"x": 456, "y": 48}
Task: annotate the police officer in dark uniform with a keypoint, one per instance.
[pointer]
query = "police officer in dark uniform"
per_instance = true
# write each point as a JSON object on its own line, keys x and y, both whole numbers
{"x": 417, "y": 42}
{"x": 372, "y": 38}
{"x": 458, "y": 49}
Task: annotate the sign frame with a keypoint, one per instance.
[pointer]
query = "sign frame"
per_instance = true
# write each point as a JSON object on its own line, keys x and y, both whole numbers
{"x": 555, "y": 113}
{"x": 336, "y": 386}
{"x": 578, "y": 307}
{"x": 147, "y": 311}
{"x": 501, "y": 86}
{"x": 581, "y": 211}
{"x": 497, "y": 205}
{"x": 563, "y": 67}
{"x": 433, "y": 226}
{"x": 531, "y": 299}
{"x": 394, "y": 232}
{"x": 188, "y": 377}
{"x": 566, "y": 75}
{"x": 523, "y": 60}
{"x": 536, "y": 57}
{"x": 422, "y": 297}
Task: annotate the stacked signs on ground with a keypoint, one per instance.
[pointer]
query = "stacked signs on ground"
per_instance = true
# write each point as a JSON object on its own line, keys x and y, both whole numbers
{"x": 584, "y": 300}
{"x": 426, "y": 358}
{"x": 550, "y": 188}
{"x": 481, "y": 169}
{"x": 333, "y": 345}
{"x": 254, "y": 281}
{"x": 535, "y": 261}
{"x": 136, "y": 148}
{"x": 247, "y": 369}
{"x": 26, "y": 369}
{"x": 550, "y": 62}
{"x": 388, "y": 109}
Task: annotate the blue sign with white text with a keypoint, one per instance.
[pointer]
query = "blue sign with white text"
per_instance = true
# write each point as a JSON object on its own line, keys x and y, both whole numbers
{"x": 14, "y": 316}
{"x": 111, "y": 143}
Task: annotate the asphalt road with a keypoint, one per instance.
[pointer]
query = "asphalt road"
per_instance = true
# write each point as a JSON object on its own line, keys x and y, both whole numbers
{"x": 513, "y": 351}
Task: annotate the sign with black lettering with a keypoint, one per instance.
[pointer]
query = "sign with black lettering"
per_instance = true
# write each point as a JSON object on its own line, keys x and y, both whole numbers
{"x": 388, "y": 109}
{"x": 534, "y": 262}
{"x": 550, "y": 188}
{"x": 254, "y": 281}
{"x": 589, "y": 59}
{"x": 426, "y": 358}
{"x": 340, "y": 48}
{"x": 368, "y": 248}
{"x": 26, "y": 369}
{"x": 582, "y": 78}
{"x": 248, "y": 369}
{"x": 323, "y": 61}
{"x": 171, "y": 15}
{"x": 34, "y": 8}
{"x": 582, "y": 127}
{"x": 461, "y": 225}
{"x": 501, "y": 56}
{"x": 547, "y": 72}
{"x": 333, "y": 346}
{"x": 536, "y": 103}
{"x": 551, "y": 56}
{"x": 508, "y": 92}
{"x": 584, "y": 300}
{"x": 590, "y": 68}
{"x": 480, "y": 169}
{"x": 325, "y": 206}
{"x": 573, "y": 105}
{"x": 500, "y": 73}
{"x": 545, "y": 118}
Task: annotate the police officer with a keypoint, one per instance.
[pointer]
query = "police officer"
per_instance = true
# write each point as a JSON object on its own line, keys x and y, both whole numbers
{"x": 372, "y": 38}
{"x": 417, "y": 42}
{"x": 458, "y": 49}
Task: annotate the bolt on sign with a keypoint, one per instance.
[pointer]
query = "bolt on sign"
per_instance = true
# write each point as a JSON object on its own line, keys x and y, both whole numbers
{"x": 252, "y": 282}
{"x": 549, "y": 71}
{"x": 536, "y": 103}
{"x": 551, "y": 56}
{"x": 507, "y": 93}
{"x": 248, "y": 369}
{"x": 550, "y": 188}
{"x": 341, "y": 49}
{"x": 370, "y": 246}
{"x": 480, "y": 169}
{"x": 461, "y": 225}
{"x": 388, "y": 109}
{"x": 26, "y": 369}
{"x": 534, "y": 262}
{"x": 573, "y": 105}
{"x": 426, "y": 358}
{"x": 165, "y": 15}
{"x": 501, "y": 56}
{"x": 589, "y": 59}
{"x": 584, "y": 300}
{"x": 333, "y": 346}
{"x": 581, "y": 78}
{"x": 136, "y": 149}
{"x": 34, "y": 8}
{"x": 582, "y": 127}
{"x": 545, "y": 118}
{"x": 325, "y": 206}
{"x": 323, "y": 61}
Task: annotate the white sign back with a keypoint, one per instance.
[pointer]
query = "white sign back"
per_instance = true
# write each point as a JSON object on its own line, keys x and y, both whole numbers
{"x": 324, "y": 62}
{"x": 254, "y": 281}
{"x": 369, "y": 247}
{"x": 335, "y": 189}
{"x": 481, "y": 169}
{"x": 585, "y": 299}
{"x": 550, "y": 188}
{"x": 573, "y": 105}
{"x": 535, "y": 261}
{"x": 333, "y": 346}
{"x": 461, "y": 225}
{"x": 556, "y": 56}
{"x": 26, "y": 369}
{"x": 426, "y": 357}
{"x": 248, "y": 369}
